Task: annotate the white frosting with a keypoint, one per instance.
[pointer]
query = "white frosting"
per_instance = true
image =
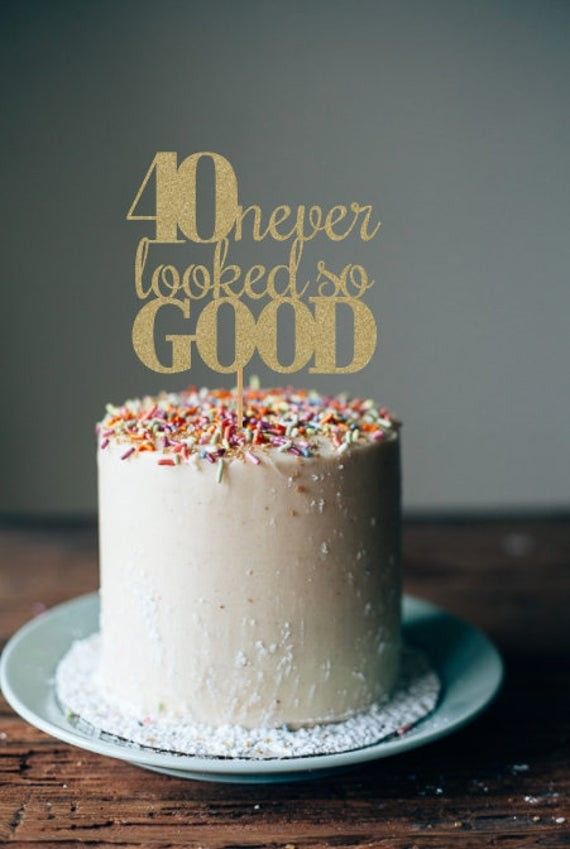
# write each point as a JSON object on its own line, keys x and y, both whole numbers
{"x": 270, "y": 597}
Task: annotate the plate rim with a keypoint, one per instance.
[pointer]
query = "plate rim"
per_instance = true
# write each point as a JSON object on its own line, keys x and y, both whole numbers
{"x": 248, "y": 766}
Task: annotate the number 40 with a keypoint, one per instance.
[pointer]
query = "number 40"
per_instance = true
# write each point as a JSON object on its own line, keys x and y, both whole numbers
{"x": 176, "y": 197}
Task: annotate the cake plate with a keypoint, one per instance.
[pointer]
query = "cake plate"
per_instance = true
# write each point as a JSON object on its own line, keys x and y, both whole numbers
{"x": 468, "y": 664}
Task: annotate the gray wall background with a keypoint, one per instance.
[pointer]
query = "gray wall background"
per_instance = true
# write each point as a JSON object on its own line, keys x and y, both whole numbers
{"x": 450, "y": 117}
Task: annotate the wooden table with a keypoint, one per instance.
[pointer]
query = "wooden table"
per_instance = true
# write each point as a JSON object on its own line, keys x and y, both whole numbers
{"x": 502, "y": 781}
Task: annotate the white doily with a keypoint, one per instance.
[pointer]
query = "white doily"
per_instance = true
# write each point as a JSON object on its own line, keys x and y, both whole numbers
{"x": 414, "y": 698}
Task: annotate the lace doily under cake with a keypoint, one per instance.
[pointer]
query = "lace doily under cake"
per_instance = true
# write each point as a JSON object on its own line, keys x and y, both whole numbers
{"x": 414, "y": 698}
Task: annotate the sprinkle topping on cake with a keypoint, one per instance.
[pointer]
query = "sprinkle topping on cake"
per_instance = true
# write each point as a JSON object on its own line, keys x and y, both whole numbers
{"x": 203, "y": 422}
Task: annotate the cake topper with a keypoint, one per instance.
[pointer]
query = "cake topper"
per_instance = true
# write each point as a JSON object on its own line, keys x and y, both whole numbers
{"x": 255, "y": 294}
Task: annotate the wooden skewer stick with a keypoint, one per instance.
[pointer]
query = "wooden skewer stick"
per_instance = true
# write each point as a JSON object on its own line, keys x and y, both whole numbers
{"x": 239, "y": 391}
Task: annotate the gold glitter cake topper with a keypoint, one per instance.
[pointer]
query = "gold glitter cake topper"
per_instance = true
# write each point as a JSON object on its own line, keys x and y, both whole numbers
{"x": 255, "y": 294}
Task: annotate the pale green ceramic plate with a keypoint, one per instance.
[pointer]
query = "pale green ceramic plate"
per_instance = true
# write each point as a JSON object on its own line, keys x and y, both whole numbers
{"x": 468, "y": 664}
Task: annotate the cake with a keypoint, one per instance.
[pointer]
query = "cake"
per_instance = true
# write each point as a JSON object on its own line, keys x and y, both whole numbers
{"x": 249, "y": 575}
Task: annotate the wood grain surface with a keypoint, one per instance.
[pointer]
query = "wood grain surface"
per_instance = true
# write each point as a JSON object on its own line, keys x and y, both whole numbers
{"x": 502, "y": 781}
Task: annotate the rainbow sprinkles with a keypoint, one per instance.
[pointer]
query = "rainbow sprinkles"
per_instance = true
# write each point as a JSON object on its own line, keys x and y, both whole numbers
{"x": 203, "y": 423}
